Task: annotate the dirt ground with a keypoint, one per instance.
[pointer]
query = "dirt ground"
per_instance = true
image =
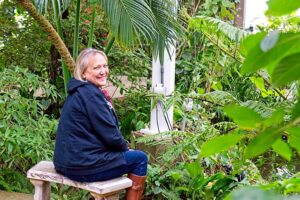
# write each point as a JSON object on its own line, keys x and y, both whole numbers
{"x": 14, "y": 196}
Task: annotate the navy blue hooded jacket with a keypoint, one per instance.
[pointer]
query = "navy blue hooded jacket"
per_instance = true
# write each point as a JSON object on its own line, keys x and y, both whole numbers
{"x": 88, "y": 139}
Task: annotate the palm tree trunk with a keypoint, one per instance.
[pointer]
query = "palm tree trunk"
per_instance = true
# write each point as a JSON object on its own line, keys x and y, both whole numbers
{"x": 48, "y": 28}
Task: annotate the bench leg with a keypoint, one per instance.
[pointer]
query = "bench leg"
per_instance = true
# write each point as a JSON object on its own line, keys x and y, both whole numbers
{"x": 42, "y": 189}
{"x": 114, "y": 196}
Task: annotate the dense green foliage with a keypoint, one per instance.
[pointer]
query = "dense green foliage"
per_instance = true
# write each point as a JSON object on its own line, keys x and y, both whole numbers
{"x": 26, "y": 132}
{"x": 20, "y": 45}
{"x": 240, "y": 140}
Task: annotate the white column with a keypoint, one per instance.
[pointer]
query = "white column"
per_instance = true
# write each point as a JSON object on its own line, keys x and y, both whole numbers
{"x": 162, "y": 120}
{"x": 163, "y": 82}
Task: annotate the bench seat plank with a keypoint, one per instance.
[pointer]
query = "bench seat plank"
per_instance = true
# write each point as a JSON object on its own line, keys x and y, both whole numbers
{"x": 45, "y": 171}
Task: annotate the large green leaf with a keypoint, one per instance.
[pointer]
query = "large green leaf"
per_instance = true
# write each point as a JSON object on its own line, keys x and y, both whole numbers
{"x": 294, "y": 138}
{"x": 282, "y": 7}
{"x": 253, "y": 193}
{"x": 287, "y": 44}
{"x": 296, "y": 110}
{"x": 194, "y": 169}
{"x": 282, "y": 149}
{"x": 244, "y": 117}
{"x": 251, "y": 42}
{"x": 261, "y": 143}
{"x": 220, "y": 143}
{"x": 275, "y": 119}
{"x": 287, "y": 70}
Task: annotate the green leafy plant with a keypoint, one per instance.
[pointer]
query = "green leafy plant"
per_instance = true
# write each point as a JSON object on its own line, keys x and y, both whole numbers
{"x": 26, "y": 132}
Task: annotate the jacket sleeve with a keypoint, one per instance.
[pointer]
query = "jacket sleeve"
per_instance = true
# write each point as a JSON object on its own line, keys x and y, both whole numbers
{"x": 104, "y": 124}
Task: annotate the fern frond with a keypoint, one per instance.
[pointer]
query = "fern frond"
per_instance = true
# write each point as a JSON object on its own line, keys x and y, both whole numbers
{"x": 169, "y": 194}
{"x": 217, "y": 97}
{"x": 214, "y": 25}
{"x": 259, "y": 107}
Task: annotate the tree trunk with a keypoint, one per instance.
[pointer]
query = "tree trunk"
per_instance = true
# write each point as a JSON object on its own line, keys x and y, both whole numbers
{"x": 48, "y": 28}
{"x": 54, "y": 66}
{"x": 239, "y": 19}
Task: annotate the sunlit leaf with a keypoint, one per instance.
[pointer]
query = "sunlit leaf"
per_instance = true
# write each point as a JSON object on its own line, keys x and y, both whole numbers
{"x": 287, "y": 70}
{"x": 194, "y": 169}
{"x": 282, "y": 7}
{"x": 296, "y": 110}
{"x": 251, "y": 42}
{"x": 261, "y": 143}
{"x": 294, "y": 138}
{"x": 243, "y": 117}
{"x": 220, "y": 143}
{"x": 288, "y": 44}
{"x": 260, "y": 84}
{"x": 276, "y": 118}
{"x": 282, "y": 149}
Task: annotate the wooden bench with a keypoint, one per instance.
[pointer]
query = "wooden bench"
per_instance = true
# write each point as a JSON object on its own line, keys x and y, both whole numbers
{"x": 43, "y": 173}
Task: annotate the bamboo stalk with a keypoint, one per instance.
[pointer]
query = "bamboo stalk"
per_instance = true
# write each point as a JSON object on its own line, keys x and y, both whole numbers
{"x": 91, "y": 34}
{"x": 66, "y": 72}
{"x": 76, "y": 31}
{"x": 109, "y": 45}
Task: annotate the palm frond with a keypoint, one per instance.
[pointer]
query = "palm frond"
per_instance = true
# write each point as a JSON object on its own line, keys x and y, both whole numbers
{"x": 166, "y": 24}
{"x": 129, "y": 19}
{"x": 42, "y": 5}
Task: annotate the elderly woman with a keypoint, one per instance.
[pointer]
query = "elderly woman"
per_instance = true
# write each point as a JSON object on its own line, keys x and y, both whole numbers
{"x": 89, "y": 145}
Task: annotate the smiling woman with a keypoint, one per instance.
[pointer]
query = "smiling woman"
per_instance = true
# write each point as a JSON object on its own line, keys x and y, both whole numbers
{"x": 89, "y": 145}
{"x": 97, "y": 71}
{"x": 90, "y": 59}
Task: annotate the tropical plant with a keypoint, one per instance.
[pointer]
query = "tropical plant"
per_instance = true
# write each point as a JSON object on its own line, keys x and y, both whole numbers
{"x": 262, "y": 49}
{"x": 153, "y": 21}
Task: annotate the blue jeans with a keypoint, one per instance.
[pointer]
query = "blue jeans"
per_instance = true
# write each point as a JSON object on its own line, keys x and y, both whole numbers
{"x": 136, "y": 163}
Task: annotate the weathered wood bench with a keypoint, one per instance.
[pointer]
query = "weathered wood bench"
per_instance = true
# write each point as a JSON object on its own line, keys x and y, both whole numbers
{"x": 43, "y": 173}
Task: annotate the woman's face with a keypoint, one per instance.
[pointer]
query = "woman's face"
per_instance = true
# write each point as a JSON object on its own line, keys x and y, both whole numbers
{"x": 97, "y": 70}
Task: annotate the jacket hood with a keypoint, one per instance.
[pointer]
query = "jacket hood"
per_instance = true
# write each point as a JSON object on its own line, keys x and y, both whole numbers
{"x": 74, "y": 84}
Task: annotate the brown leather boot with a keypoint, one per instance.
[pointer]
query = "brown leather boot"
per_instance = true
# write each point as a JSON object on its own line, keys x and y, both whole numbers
{"x": 135, "y": 192}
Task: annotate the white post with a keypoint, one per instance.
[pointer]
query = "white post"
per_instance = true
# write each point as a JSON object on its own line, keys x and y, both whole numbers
{"x": 163, "y": 82}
